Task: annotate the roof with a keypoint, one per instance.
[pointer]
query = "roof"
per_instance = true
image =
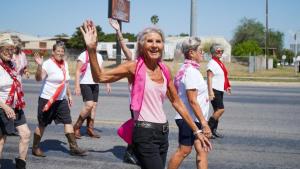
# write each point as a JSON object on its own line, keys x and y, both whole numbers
{"x": 27, "y": 37}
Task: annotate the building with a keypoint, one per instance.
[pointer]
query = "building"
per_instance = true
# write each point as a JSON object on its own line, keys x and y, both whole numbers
{"x": 30, "y": 42}
{"x": 171, "y": 50}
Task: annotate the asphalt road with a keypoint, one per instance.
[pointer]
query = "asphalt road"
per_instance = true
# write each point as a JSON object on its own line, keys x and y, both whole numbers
{"x": 261, "y": 127}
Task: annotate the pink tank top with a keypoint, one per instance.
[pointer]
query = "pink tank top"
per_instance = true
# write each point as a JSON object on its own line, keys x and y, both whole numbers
{"x": 152, "y": 105}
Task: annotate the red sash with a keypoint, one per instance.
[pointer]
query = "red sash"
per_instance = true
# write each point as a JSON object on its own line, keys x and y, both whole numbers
{"x": 16, "y": 87}
{"x": 226, "y": 81}
{"x": 60, "y": 88}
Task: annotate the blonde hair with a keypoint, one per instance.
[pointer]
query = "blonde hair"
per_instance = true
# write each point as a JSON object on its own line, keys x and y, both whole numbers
{"x": 141, "y": 38}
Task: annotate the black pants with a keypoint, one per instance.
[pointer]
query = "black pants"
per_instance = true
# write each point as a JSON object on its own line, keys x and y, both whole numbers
{"x": 151, "y": 147}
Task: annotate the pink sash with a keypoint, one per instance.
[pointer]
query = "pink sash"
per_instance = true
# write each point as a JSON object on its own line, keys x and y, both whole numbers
{"x": 187, "y": 63}
{"x": 84, "y": 66}
{"x": 138, "y": 86}
{"x": 126, "y": 131}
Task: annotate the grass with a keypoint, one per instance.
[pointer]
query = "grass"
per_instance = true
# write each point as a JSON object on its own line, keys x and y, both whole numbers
{"x": 236, "y": 71}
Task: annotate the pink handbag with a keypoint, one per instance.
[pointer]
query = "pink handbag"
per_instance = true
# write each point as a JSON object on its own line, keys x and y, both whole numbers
{"x": 125, "y": 131}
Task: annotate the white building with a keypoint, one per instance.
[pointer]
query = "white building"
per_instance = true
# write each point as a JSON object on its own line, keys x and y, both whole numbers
{"x": 108, "y": 49}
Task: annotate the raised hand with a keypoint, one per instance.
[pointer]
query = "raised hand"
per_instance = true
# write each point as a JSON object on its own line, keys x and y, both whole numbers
{"x": 114, "y": 23}
{"x": 89, "y": 33}
{"x": 38, "y": 58}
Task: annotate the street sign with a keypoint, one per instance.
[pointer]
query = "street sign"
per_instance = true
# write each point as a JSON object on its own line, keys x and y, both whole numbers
{"x": 283, "y": 57}
{"x": 119, "y": 10}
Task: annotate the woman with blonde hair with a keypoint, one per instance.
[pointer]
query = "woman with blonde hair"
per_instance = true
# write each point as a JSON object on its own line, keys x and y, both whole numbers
{"x": 151, "y": 82}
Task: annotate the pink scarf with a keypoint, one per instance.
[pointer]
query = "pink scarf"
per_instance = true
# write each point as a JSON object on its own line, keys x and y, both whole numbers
{"x": 138, "y": 86}
{"x": 16, "y": 87}
{"x": 226, "y": 81}
{"x": 187, "y": 63}
{"x": 84, "y": 66}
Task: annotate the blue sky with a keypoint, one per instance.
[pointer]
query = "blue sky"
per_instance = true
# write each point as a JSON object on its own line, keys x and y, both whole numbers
{"x": 215, "y": 17}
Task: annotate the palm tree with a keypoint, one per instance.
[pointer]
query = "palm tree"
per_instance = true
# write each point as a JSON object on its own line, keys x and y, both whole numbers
{"x": 154, "y": 19}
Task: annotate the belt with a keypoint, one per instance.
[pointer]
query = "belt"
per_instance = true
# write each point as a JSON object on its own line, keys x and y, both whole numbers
{"x": 163, "y": 127}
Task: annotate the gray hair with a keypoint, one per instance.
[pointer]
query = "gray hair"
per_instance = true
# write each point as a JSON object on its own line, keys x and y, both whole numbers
{"x": 190, "y": 44}
{"x": 141, "y": 38}
{"x": 214, "y": 48}
{"x": 59, "y": 44}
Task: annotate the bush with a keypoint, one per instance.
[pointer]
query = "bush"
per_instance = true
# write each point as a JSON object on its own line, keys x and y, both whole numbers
{"x": 275, "y": 62}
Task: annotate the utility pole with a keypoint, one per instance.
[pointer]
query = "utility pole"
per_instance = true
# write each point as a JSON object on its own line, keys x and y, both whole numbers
{"x": 296, "y": 45}
{"x": 267, "y": 36}
{"x": 193, "y": 24}
{"x": 118, "y": 46}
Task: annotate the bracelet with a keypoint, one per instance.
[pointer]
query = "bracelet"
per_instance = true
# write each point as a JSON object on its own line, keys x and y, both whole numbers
{"x": 197, "y": 131}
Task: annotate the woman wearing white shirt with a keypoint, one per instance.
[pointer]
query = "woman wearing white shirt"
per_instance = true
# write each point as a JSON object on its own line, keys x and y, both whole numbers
{"x": 52, "y": 104}
{"x": 12, "y": 102}
{"x": 192, "y": 90}
{"x": 217, "y": 82}
{"x": 85, "y": 85}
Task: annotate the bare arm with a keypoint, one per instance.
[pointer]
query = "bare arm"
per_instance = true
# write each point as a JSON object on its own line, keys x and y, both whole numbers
{"x": 77, "y": 77}
{"x": 100, "y": 76}
{"x": 211, "y": 94}
{"x": 69, "y": 94}
{"x": 192, "y": 98}
{"x": 114, "y": 23}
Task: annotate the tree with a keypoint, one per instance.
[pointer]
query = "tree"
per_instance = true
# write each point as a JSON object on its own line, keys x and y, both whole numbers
{"x": 276, "y": 41}
{"x": 111, "y": 37}
{"x": 206, "y": 46}
{"x": 184, "y": 34}
{"x": 249, "y": 29}
{"x": 77, "y": 41}
{"x": 62, "y": 35}
{"x": 289, "y": 55}
{"x": 154, "y": 19}
{"x": 246, "y": 48}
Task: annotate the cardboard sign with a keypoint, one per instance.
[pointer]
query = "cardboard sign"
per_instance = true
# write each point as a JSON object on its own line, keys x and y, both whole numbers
{"x": 119, "y": 10}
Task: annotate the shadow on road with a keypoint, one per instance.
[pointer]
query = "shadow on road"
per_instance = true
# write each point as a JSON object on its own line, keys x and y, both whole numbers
{"x": 54, "y": 145}
{"x": 6, "y": 163}
{"x": 117, "y": 151}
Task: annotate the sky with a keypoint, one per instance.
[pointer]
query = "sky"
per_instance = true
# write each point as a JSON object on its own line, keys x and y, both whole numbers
{"x": 214, "y": 17}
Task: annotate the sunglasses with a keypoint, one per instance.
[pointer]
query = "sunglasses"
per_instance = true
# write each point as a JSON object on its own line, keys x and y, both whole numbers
{"x": 7, "y": 50}
{"x": 219, "y": 51}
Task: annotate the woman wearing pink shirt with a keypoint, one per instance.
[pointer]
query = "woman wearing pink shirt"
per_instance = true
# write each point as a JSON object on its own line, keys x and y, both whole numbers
{"x": 151, "y": 82}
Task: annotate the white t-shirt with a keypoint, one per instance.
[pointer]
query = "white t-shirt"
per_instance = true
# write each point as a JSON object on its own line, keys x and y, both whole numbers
{"x": 5, "y": 85}
{"x": 193, "y": 79}
{"x": 54, "y": 77}
{"x": 87, "y": 78}
{"x": 218, "y": 79}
